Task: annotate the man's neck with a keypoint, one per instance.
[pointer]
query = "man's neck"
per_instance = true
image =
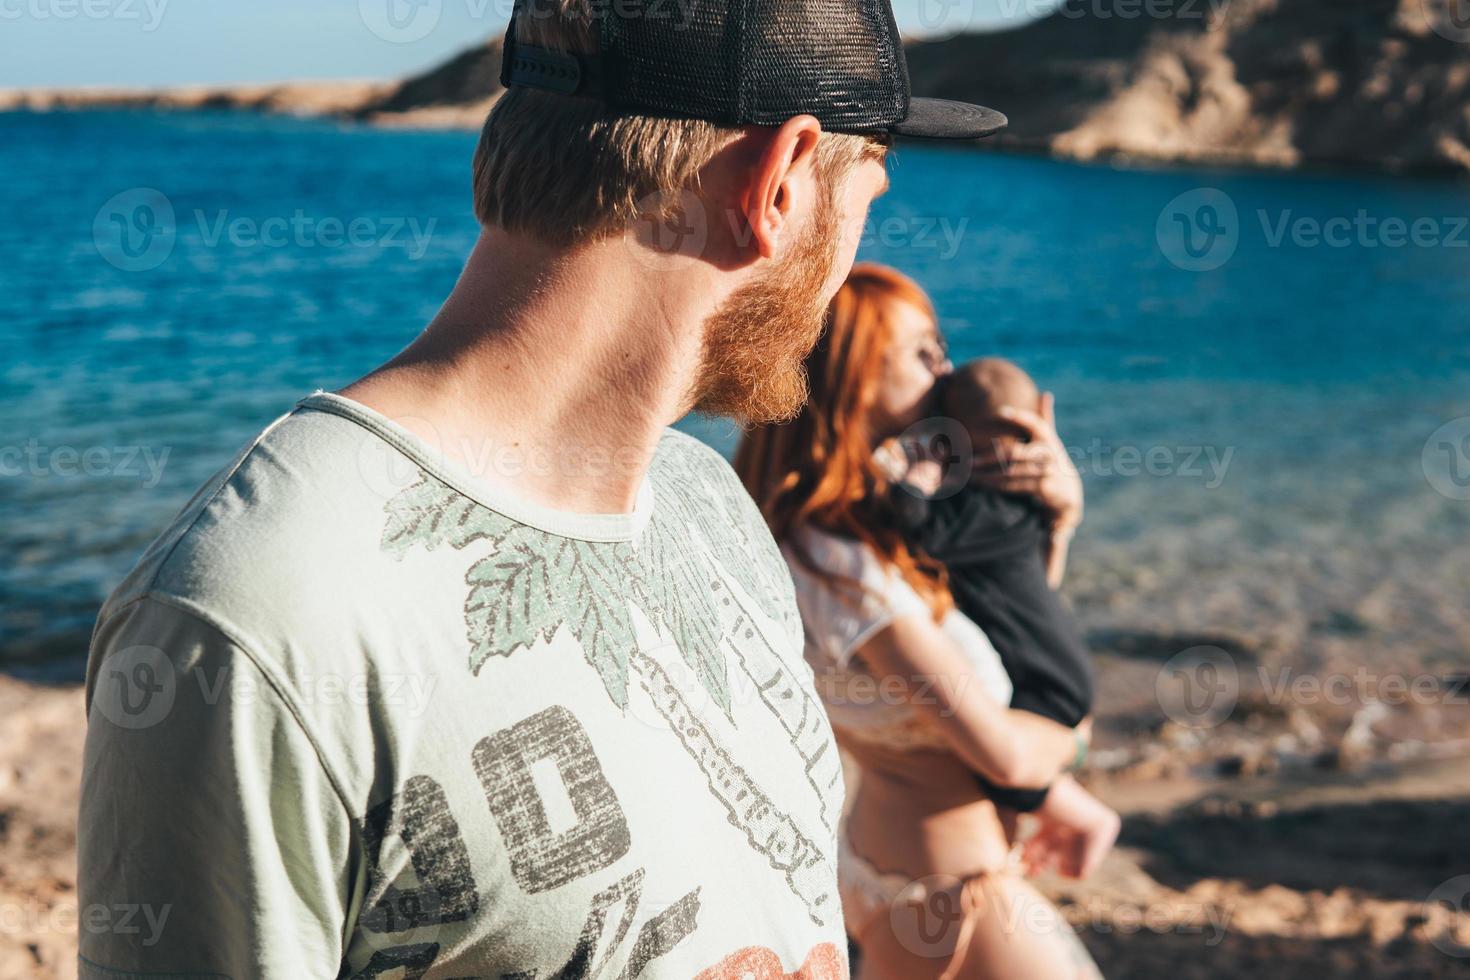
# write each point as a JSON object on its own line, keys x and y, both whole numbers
{"x": 551, "y": 373}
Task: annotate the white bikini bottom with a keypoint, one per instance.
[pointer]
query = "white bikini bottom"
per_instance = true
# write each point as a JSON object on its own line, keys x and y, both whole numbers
{"x": 869, "y": 895}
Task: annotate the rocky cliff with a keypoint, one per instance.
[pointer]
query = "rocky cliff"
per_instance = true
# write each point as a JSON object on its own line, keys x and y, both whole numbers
{"x": 458, "y": 93}
{"x": 1381, "y": 83}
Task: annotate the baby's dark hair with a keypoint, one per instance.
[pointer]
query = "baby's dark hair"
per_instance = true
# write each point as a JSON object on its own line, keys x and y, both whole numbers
{"x": 978, "y": 389}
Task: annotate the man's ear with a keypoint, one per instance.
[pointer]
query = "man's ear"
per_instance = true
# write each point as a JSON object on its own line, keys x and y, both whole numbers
{"x": 782, "y": 183}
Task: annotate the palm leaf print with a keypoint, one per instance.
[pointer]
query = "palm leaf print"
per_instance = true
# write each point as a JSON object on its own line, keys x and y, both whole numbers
{"x": 593, "y": 579}
{"x": 687, "y": 475}
{"x": 535, "y": 582}
{"x": 676, "y": 586}
{"x": 512, "y": 600}
{"x": 430, "y": 513}
{"x": 532, "y": 583}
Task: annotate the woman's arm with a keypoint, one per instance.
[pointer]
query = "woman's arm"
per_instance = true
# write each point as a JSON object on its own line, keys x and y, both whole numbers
{"x": 1009, "y": 748}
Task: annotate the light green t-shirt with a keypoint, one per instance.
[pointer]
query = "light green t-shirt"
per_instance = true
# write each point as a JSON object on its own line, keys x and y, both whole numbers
{"x": 358, "y": 714}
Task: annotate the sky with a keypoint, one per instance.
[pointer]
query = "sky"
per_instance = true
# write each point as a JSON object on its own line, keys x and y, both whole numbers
{"x": 51, "y": 43}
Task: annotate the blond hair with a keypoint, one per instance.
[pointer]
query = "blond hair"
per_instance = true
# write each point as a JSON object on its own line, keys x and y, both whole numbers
{"x": 567, "y": 170}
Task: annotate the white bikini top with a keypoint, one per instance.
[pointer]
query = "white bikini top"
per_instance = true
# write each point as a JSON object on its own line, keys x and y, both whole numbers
{"x": 837, "y": 622}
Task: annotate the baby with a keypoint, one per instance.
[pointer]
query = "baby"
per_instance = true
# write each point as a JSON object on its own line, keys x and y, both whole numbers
{"x": 978, "y": 390}
{"x": 996, "y": 547}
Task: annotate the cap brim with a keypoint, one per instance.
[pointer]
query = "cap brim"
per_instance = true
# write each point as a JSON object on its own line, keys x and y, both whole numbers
{"x": 943, "y": 119}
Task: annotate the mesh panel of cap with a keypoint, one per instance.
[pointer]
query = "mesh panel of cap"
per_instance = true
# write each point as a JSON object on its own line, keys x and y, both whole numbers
{"x": 758, "y": 61}
{"x": 833, "y": 58}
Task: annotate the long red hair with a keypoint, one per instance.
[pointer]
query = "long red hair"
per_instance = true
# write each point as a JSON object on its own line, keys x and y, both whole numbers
{"x": 819, "y": 468}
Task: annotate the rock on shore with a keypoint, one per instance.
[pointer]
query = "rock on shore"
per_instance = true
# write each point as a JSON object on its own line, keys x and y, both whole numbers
{"x": 1374, "y": 83}
{"x": 286, "y": 98}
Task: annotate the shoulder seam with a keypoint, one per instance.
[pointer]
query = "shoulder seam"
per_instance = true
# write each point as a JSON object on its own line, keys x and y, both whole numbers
{"x": 163, "y": 561}
{"x": 283, "y": 690}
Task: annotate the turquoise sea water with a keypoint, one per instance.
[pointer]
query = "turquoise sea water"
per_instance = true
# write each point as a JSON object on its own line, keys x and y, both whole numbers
{"x": 1272, "y": 424}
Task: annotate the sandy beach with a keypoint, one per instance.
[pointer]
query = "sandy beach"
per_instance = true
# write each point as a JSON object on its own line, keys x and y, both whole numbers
{"x": 41, "y": 732}
{"x": 1320, "y": 872}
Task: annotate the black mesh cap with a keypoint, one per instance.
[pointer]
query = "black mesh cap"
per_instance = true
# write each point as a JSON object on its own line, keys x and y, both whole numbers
{"x": 743, "y": 62}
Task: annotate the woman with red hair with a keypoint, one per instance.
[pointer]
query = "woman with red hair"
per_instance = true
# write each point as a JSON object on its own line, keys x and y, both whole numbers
{"x": 915, "y": 692}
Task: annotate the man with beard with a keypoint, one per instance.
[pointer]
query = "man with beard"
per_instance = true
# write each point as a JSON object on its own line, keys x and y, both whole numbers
{"x": 476, "y": 668}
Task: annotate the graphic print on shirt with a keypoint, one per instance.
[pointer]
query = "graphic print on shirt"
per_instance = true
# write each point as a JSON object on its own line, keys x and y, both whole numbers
{"x": 531, "y": 583}
{"x": 402, "y": 924}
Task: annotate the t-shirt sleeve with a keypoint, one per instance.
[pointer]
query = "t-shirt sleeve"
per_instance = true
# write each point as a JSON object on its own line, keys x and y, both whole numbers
{"x": 840, "y": 616}
{"x": 211, "y": 841}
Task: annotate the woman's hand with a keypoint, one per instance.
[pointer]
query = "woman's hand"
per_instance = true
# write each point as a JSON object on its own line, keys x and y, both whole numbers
{"x": 1040, "y": 468}
{"x": 1058, "y": 545}
{"x": 1077, "y": 832}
